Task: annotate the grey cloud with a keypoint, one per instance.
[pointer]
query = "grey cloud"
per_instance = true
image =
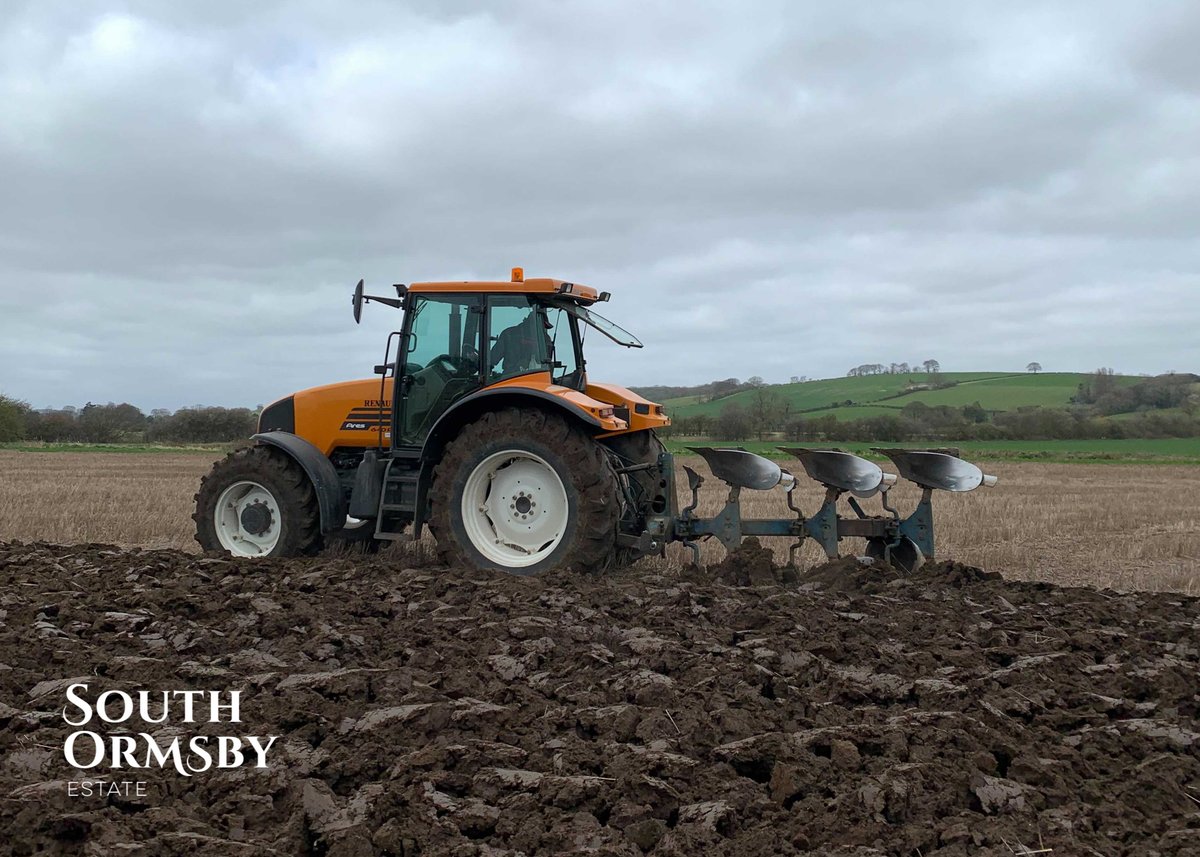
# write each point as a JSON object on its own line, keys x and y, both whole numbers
{"x": 769, "y": 189}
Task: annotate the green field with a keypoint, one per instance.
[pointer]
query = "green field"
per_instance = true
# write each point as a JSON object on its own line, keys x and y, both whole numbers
{"x": 875, "y": 395}
{"x": 1136, "y": 451}
{"x": 1156, "y": 451}
{"x": 853, "y": 412}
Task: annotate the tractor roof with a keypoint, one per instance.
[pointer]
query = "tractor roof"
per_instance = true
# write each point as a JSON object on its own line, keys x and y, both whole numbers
{"x": 532, "y": 286}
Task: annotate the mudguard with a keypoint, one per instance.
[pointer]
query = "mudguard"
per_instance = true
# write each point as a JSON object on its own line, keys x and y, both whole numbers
{"x": 320, "y": 471}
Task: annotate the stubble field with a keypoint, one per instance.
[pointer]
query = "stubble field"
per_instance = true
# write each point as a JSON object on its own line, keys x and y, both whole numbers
{"x": 1122, "y": 526}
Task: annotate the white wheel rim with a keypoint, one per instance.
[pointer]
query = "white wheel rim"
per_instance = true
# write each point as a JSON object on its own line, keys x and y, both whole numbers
{"x": 514, "y": 508}
{"x": 242, "y": 503}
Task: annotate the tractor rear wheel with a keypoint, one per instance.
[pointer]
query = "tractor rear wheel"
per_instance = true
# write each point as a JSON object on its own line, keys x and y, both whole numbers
{"x": 257, "y": 502}
{"x": 523, "y": 491}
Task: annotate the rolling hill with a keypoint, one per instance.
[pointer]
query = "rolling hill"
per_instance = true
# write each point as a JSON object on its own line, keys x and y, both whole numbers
{"x": 874, "y": 395}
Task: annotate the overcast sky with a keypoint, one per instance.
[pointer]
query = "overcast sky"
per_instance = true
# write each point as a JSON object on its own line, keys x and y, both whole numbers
{"x": 188, "y": 191}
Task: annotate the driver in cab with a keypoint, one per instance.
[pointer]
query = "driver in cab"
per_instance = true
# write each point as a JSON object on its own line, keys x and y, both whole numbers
{"x": 523, "y": 347}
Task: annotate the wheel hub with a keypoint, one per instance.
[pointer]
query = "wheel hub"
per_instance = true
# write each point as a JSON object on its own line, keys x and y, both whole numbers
{"x": 256, "y": 518}
{"x": 247, "y": 519}
{"x": 515, "y": 508}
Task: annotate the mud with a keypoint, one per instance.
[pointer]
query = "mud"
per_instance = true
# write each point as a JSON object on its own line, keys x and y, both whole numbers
{"x": 431, "y": 711}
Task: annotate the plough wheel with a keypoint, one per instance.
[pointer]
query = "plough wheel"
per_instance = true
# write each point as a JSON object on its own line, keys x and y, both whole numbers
{"x": 905, "y": 556}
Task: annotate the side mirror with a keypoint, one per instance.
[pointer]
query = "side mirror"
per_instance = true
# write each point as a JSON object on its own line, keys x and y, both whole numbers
{"x": 357, "y": 301}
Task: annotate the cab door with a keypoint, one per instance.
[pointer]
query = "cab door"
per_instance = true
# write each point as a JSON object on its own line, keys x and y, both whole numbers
{"x": 439, "y": 364}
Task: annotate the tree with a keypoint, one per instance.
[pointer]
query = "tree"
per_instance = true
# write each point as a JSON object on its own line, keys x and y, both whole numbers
{"x": 733, "y": 423}
{"x": 12, "y": 418}
{"x": 1099, "y": 384}
{"x": 720, "y": 389}
{"x": 767, "y": 409}
{"x": 52, "y": 426}
{"x": 1034, "y": 368}
{"x": 756, "y": 381}
{"x": 109, "y": 423}
{"x": 931, "y": 367}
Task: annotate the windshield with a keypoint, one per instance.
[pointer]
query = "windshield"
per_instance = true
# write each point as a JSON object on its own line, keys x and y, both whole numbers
{"x": 613, "y": 331}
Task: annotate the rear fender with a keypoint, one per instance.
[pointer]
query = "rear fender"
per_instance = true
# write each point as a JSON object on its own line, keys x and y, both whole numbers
{"x": 320, "y": 472}
{"x": 470, "y": 408}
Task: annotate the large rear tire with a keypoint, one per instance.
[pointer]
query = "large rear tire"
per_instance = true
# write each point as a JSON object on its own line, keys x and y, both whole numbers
{"x": 523, "y": 491}
{"x": 257, "y": 502}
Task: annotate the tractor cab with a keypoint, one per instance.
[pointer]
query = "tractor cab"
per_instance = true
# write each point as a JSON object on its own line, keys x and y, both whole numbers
{"x": 461, "y": 338}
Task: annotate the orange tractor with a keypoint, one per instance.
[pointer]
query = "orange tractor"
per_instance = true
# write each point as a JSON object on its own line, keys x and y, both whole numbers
{"x": 484, "y": 427}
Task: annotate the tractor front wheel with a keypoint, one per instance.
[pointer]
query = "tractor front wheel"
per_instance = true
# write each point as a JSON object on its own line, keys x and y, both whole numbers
{"x": 257, "y": 502}
{"x": 523, "y": 491}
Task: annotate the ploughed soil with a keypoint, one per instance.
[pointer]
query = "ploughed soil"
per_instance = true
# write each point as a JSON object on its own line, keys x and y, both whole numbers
{"x": 737, "y": 711}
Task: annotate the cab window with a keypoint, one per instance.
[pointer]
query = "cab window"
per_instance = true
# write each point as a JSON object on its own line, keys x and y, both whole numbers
{"x": 517, "y": 338}
{"x": 525, "y": 336}
{"x": 442, "y": 362}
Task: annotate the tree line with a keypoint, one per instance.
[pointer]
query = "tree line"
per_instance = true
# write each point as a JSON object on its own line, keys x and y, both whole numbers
{"x": 124, "y": 423}
{"x": 929, "y": 367}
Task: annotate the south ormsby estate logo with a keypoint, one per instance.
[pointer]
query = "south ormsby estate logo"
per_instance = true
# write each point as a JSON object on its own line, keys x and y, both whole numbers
{"x": 113, "y": 754}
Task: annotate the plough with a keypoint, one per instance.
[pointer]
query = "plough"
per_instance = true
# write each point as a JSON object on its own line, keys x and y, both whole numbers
{"x": 905, "y": 542}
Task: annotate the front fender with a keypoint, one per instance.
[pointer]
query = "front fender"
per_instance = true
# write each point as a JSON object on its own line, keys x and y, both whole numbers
{"x": 320, "y": 472}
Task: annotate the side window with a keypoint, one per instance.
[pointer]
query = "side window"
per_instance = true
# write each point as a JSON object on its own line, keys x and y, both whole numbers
{"x": 442, "y": 363}
{"x": 430, "y": 335}
{"x": 518, "y": 341}
{"x": 561, "y": 330}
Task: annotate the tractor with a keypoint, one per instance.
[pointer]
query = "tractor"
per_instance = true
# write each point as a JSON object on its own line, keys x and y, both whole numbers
{"x": 484, "y": 427}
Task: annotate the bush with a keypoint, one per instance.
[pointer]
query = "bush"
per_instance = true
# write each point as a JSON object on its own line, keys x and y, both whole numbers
{"x": 204, "y": 425}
